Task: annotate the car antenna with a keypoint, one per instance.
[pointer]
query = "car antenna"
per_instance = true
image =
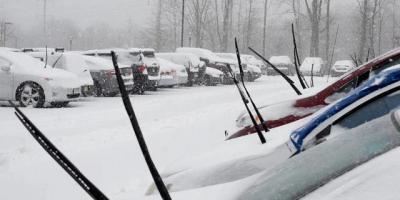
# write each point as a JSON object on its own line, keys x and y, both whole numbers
{"x": 245, "y": 88}
{"x": 245, "y": 102}
{"x": 290, "y": 81}
{"x": 297, "y": 62}
{"x": 59, "y": 157}
{"x": 138, "y": 132}
{"x": 45, "y": 63}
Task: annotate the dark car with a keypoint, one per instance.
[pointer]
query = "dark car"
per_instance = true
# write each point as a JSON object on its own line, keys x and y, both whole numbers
{"x": 126, "y": 57}
{"x": 290, "y": 111}
{"x": 103, "y": 74}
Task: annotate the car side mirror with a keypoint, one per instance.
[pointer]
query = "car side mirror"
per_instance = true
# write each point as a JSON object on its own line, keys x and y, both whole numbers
{"x": 5, "y": 68}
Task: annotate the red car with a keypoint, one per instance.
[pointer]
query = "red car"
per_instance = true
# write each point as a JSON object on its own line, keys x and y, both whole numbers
{"x": 282, "y": 113}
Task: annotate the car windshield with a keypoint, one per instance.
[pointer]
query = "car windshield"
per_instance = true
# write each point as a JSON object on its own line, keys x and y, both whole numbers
{"x": 293, "y": 178}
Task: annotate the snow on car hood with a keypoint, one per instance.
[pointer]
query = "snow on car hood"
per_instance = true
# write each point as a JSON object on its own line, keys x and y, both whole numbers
{"x": 214, "y": 72}
{"x": 277, "y": 111}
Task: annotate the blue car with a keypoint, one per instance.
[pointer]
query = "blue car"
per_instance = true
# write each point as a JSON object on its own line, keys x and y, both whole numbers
{"x": 375, "y": 98}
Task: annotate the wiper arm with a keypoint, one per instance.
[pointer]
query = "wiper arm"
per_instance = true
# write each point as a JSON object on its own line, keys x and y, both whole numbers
{"x": 290, "y": 81}
{"x": 59, "y": 157}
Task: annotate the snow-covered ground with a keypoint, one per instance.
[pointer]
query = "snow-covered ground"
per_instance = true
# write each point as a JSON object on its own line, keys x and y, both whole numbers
{"x": 179, "y": 124}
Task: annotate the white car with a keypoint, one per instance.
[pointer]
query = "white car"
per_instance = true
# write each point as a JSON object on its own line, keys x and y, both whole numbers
{"x": 29, "y": 81}
{"x": 172, "y": 74}
{"x": 190, "y": 61}
{"x": 341, "y": 67}
{"x": 251, "y": 71}
{"x": 71, "y": 62}
{"x": 313, "y": 65}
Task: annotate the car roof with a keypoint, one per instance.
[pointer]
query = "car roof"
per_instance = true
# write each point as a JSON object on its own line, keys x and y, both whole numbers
{"x": 386, "y": 79}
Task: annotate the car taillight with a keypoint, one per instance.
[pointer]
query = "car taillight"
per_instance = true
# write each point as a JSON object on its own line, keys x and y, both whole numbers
{"x": 142, "y": 68}
{"x": 110, "y": 73}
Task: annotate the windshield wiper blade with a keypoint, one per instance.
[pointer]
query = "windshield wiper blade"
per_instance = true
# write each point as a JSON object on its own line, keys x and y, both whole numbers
{"x": 245, "y": 88}
{"x": 59, "y": 157}
{"x": 290, "y": 81}
{"x": 138, "y": 132}
{"x": 297, "y": 62}
{"x": 245, "y": 102}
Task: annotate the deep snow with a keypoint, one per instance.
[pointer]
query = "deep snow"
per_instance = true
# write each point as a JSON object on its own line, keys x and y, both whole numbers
{"x": 179, "y": 124}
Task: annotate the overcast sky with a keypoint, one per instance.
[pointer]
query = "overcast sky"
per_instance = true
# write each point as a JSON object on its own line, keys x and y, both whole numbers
{"x": 83, "y": 12}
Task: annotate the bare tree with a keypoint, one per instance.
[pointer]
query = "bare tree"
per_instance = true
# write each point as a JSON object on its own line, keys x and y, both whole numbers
{"x": 198, "y": 10}
{"x": 314, "y": 15}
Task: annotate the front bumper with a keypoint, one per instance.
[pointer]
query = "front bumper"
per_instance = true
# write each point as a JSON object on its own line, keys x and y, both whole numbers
{"x": 60, "y": 94}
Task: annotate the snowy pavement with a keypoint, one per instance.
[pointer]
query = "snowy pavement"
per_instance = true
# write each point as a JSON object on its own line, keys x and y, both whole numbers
{"x": 96, "y": 135}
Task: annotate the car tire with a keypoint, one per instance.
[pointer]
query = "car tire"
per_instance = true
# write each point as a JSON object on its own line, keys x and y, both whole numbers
{"x": 98, "y": 91}
{"x": 30, "y": 94}
{"x": 250, "y": 77}
{"x": 59, "y": 104}
{"x": 110, "y": 94}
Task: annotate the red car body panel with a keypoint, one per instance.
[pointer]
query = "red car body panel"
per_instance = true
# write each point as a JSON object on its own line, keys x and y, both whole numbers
{"x": 319, "y": 98}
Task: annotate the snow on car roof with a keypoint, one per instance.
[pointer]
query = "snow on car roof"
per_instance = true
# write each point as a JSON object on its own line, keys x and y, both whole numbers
{"x": 180, "y": 57}
{"x": 390, "y": 76}
{"x": 280, "y": 60}
{"x": 22, "y": 59}
{"x": 344, "y": 62}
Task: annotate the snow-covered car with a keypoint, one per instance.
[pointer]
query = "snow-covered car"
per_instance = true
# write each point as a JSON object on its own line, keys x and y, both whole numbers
{"x": 151, "y": 64}
{"x": 213, "y": 76}
{"x": 377, "y": 97}
{"x": 103, "y": 74}
{"x": 251, "y": 72}
{"x": 283, "y": 63}
{"x": 213, "y": 61}
{"x": 125, "y": 57}
{"x": 190, "y": 61}
{"x": 32, "y": 83}
{"x": 338, "y": 168}
{"x": 367, "y": 108}
{"x": 341, "y": 67}
{"x": 250, "y": 59}
{"x": 312, "y": 66}
{"x": 71, "y": 62}
{"x": 285, "y": 112}
{"x": 172, "y": 74}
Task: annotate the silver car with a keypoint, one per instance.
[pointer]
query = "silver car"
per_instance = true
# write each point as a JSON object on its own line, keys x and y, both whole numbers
{"x": 32, "y": 83}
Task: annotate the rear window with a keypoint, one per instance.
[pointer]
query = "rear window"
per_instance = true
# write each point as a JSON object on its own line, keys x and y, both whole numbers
{"x": 148, "y": 54}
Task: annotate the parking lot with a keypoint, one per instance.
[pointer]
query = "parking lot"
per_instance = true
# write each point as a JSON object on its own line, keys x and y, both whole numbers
{"x": 95, "y": 133}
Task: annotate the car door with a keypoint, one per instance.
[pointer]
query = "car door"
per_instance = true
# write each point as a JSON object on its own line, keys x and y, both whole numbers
{"x": 6, "y": 80}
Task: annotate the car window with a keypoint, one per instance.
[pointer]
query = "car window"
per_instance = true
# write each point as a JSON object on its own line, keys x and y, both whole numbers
{"x": 369, "y": 111}
{"x": 148, "y": 54}
{"x": 390, "y": 63}
{"x": 343, "y": 91}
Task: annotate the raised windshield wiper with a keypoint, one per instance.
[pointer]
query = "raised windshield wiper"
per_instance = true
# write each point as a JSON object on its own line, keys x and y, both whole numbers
{"x": 59, "y": 157}
{"x": 290, "y": 81}
{"x": 138, "y": 132}
{"x": 245, "y": 88}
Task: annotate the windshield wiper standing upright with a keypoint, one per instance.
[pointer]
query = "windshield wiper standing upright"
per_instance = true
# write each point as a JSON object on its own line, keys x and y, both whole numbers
{"x": 59, "y": 157}
{"x": 245, "y": 102}
{"x": 290, "y": 81}
{"x": 245, "y": 88}
{"x": 138, "y": 132}
{"x": 296, "y": 58}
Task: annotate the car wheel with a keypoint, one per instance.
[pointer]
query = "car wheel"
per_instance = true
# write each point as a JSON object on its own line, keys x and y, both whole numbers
{"x": 250, "y": 77}
{"x": 98, "y": 91}
{"x": 59, "y": 104}
{"x": 30, "y": 94}
{"x": 110, "y": 94}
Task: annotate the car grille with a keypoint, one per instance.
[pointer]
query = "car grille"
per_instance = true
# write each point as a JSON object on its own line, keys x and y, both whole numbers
{"x": 153, "y": 71}
{"x": 126, "y": 71}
